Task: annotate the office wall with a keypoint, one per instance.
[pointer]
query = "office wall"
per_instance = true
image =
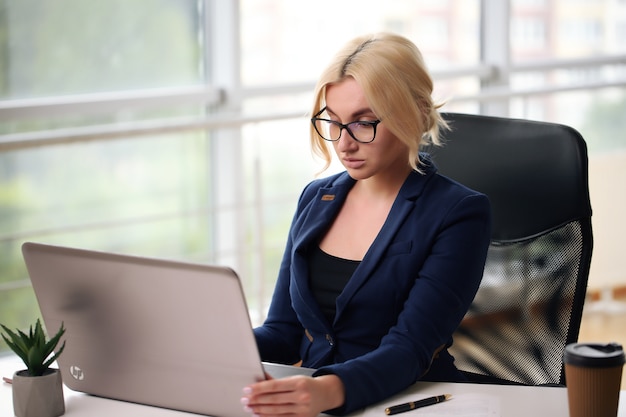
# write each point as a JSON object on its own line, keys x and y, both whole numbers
{"x": 607, "y": 179}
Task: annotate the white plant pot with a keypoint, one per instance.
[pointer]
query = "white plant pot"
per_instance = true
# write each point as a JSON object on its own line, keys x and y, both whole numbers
{"x": 38, "y": 396}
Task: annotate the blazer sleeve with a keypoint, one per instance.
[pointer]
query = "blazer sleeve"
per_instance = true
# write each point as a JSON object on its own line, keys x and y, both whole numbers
{"x": 441, "y": 294}
{"x": 279, "y": 338}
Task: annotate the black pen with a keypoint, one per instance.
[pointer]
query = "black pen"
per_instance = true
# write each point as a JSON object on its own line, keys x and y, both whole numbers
{"x": 401, "y": 408}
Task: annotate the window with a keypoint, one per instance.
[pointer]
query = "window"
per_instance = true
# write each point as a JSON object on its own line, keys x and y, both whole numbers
{"x": 142, "y": 149}
{"x": 147, "y": 195}
{"x": 586, "y": 31}
{"x": 529, "y": 33}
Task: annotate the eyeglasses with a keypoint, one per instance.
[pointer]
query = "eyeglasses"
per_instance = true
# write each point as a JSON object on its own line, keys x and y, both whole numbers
{"x": 330, "y": 130}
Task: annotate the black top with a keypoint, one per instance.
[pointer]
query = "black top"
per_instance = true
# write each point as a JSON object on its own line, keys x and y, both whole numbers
{"x": 328, "y": 275}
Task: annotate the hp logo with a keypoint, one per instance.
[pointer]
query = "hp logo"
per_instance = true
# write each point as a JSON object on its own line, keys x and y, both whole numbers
{"x": 77, "y": 373}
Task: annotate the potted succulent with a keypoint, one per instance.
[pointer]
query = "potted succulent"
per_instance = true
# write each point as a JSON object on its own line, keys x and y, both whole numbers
{"x": 38, "y": 389}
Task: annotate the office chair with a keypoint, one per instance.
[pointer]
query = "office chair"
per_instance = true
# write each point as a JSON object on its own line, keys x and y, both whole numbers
{"x": 530, "y": 302}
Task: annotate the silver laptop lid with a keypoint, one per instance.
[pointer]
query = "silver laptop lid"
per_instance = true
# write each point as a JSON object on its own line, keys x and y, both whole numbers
{"x": 164, "y": 333}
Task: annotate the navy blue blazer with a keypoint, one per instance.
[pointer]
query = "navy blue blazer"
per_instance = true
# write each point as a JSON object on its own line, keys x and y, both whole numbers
{"x": 396, "y": 315}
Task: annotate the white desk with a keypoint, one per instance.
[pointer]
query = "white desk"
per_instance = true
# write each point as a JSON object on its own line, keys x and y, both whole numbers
{"x": 507, "y": 401}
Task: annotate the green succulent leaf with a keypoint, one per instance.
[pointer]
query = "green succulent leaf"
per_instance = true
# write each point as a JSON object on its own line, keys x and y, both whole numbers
{"x": 36, "y": 353}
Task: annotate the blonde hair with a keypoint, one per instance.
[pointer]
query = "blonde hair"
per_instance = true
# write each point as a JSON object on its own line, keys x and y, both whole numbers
{"x": 392, "y": 73}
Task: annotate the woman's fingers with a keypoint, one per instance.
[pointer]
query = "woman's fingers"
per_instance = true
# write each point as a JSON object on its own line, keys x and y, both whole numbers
{"x": 278, "y": 396}
{"x": 297, "y": 396}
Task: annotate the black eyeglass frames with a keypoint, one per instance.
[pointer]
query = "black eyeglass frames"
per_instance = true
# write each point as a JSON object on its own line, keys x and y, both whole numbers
{"x": 363, "y": 131}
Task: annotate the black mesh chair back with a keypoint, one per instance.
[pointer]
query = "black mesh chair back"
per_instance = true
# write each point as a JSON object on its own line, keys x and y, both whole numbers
{"x": 530, "y": 302}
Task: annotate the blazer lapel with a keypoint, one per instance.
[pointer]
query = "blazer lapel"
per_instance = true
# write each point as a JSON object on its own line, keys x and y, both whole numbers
{"x": 401, "y": 208}
{"x": 316, "y": 218}
{"x": 322, "y": 211}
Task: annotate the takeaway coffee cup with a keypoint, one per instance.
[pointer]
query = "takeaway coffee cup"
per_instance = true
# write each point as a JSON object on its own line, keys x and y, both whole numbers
{"x": 593, "y": 372}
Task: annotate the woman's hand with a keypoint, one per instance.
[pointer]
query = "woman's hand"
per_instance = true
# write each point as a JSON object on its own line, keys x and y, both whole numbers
{"x": 296, "y": 396}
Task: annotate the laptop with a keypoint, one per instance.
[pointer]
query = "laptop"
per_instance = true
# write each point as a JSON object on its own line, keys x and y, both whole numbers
{"x": 158, "y": 332}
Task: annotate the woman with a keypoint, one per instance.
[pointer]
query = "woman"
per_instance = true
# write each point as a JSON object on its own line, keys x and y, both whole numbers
{"x": 382, "y": 260}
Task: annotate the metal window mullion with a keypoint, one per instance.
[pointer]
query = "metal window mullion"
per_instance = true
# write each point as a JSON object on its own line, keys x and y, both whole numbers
{"x": 105, "y": 103}
{"x": 81, "y": 134}
{"x": 225, "y": 159}
{"x": 495, "y": 50}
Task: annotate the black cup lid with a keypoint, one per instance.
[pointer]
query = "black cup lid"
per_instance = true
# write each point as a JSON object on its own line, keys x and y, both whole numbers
{"x": 594, "y": 354}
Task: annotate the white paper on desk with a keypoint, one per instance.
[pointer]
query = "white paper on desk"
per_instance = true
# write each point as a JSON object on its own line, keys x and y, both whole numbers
{"x": 462, "y": 405}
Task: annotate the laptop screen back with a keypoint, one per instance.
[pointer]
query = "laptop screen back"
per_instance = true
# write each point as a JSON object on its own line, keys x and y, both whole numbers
{"x": 164, "y": 333}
